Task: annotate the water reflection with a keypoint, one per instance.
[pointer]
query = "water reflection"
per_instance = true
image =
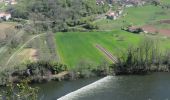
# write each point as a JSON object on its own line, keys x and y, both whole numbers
{"x": 149, "y": 87}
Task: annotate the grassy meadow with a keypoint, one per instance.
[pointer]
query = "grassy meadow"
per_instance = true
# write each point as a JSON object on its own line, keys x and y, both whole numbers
{"x": 139, "y": 16}
{"x": 76, "y": 46}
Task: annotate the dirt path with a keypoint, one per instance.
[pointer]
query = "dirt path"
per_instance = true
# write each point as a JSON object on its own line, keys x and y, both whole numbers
{"x": 108, "y": 54}
{"x": 13, "y": 55}
{"x": 165, "y": 21}
{"x": 152, "y": 29}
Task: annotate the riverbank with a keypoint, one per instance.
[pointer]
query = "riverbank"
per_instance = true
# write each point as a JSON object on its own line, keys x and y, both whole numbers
{"x": 42, "y": 71}
{"x": 46, "y": 74}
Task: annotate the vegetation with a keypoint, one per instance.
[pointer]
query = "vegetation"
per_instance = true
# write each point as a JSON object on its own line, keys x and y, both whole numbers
{"x": 74, "y": 46}
{"x": 135, "y": 16}
{"x": 47, "y": 14}
{"x": 20, "y": 91}
{"x": 75, "y": 53}
{"x": 39, "y": 71}
{"x": 144, "y": 58}
{"x": 86, "y": 69}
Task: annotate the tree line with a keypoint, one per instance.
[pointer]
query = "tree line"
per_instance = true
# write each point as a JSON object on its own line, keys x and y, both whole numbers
{"x": 148, "y": 56}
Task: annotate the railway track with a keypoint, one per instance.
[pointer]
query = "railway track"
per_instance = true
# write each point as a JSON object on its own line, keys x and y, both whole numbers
{"x": 107, "y": 53}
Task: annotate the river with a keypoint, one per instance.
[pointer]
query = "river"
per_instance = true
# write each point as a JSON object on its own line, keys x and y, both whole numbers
{"x": 155, "y": 86}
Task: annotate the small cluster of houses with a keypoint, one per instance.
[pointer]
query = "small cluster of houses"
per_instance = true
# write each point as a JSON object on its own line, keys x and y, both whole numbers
{"x": 9, "y": 2}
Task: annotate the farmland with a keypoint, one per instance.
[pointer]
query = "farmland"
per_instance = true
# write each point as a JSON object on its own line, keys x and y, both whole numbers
{"x": 76, "y": 46}
{"x": 137, "y": 16}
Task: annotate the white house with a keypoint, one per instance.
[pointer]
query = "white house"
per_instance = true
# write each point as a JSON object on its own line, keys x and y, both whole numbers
{"x": 112, "y": 15}
{"x": 13, "y": 2}
{"x": 9, "y": 2}
{"x": 5, "y": 16}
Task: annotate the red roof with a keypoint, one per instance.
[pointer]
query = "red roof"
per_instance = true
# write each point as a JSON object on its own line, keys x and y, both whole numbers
{"x": 3, "y": 14}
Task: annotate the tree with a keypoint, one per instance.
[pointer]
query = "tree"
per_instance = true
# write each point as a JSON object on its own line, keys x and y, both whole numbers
{"x": 139, "y": 59}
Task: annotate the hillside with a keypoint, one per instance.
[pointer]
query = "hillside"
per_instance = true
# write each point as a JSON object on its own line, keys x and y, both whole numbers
{"x": 71, "y": 32}
{"x": 136, "y": 16}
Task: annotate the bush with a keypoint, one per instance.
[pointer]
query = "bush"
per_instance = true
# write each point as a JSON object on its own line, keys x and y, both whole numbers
{"x": 44, "y": 66}
{"x": 84, "y": 68}
{"x": 103, "y": 69}
{"x": 20, "y": 91}
{"x": 91, "y": 26}
{"x": 37, "y": 71}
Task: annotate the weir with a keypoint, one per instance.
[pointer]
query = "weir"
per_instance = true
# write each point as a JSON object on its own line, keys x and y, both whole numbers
{"x": 86, "y": 89}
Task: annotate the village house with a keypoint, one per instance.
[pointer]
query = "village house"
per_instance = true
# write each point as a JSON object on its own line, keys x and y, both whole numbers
{"x": 5, "y": 15}
{"x": 9, "y": 2}
{"x": 13, "y": 2}
{"x": 114, "y": 14}
{"x": 100, "y": 2}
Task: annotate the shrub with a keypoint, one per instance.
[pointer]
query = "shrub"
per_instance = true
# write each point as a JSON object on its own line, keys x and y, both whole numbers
{"x": 20, "y": 91}
{"x": 84, "y": 68}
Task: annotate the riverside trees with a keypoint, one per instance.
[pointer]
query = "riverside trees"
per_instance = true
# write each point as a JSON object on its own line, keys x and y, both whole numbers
{"x": 147, "y": 56}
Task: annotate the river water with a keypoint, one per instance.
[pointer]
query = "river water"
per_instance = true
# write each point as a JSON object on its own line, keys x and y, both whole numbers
{"x": 155, "y": 86}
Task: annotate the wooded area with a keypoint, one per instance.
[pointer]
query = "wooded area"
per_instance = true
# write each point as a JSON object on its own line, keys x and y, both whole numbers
{"x": 57, "y": 14}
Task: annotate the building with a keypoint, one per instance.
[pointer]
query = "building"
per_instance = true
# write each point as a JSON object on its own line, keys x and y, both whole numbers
{"x": 100, "y": 2}
{"x": 9, "y": 2}
{"x": 13, "y": 2}
{"x": 112, "y": 15}
{"x": 5, "y": 16}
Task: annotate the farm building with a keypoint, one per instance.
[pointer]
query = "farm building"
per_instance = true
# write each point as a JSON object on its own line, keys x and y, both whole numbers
{"x": 114, "y": 14}
{"x": 5, "y": 16}
{"x": 98, "y": 2}
{"x": 11, "y": 2}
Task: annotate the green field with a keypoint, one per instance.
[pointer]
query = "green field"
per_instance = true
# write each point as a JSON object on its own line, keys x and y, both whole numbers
{"x": 165, "y": 1}
{"x": 139, "y": 16}
{"x": 76, "y": 46}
